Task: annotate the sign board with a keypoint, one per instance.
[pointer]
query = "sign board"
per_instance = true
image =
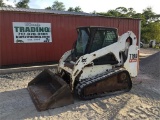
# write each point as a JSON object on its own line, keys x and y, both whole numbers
{"x": 31, "y": 32}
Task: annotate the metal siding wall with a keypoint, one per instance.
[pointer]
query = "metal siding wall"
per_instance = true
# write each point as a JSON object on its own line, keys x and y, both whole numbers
{"x": 6, "y": 45}
{"x": 26, "y": 52}
{"x": 63, "y": 35}
{"x": 133, "y": 25}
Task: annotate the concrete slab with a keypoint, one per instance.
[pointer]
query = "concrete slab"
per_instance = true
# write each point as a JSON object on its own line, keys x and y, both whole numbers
{"x": 24, "y": 69}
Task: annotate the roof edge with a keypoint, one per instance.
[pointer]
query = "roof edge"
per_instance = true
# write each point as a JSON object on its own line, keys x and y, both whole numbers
{"x": 32, "y": 10}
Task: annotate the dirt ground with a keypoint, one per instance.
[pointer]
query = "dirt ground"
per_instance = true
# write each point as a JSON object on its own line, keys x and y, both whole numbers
{"x": 142, "y": 102}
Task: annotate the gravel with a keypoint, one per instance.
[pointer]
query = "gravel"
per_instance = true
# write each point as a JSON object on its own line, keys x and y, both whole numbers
{"x": 151, "y": 65}
{"x": 142, "y": 102}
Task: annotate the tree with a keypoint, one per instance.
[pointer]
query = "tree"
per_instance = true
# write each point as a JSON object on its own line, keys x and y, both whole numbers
{"x": 130, "y": 12}
{"x": 157, "y": 18}
{"x": 148, "y": 14}
{"x": 150, "y": 22}
{"x": 121, "y": 10}
{"x": 112, "y": 13}
{"x": 71, "y": 9}
{"x": 2, "y": 4}
{"x": 94, "y": 12}
{"x": 48, "y": 8}
{"x": 22, "y": 4}
{"x": 151, "y": 31}
{"x": 150, "y": 25}
{"x": 58, "y": 6}
{"x": 118, "y": 12}
{"x": 9, "y": 6}
{"x": 78, "y": 9}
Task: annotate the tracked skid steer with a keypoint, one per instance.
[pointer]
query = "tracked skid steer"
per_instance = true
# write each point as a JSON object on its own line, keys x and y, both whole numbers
{"x": 100, "y": 64}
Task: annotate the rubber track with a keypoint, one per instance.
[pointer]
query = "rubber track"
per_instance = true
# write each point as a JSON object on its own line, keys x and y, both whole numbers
{"x": 86, "y": 82}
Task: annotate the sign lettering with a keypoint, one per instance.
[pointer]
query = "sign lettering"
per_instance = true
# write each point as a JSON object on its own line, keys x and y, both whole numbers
{"x": 31, "y": 32}
{"x": 133, "y": 57}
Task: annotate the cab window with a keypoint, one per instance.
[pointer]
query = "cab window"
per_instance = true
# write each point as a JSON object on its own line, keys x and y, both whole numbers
{"x": 103, "y": 38}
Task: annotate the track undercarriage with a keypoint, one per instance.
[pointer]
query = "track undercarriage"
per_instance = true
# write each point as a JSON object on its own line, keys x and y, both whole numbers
{"x": 104, "y": 84}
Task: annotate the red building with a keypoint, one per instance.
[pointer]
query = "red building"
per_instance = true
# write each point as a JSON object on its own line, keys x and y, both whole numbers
{"x": 63, "y": 33}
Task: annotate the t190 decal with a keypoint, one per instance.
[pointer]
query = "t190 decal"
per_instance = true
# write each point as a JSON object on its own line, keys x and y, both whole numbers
{"x": 133, "y": 57}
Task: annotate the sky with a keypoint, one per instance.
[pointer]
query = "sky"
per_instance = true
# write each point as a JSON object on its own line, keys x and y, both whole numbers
{"x": 97, "y": 5}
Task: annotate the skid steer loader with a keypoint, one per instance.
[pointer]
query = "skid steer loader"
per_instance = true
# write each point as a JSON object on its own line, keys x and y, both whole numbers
{"x": 100, "y": 63}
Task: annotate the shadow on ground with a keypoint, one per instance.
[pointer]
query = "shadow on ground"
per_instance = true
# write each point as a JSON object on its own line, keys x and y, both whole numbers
{"x": 17, "y": 104}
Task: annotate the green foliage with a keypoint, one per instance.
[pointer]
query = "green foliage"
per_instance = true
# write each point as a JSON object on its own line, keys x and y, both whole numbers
{"x": 130, "y": 12}
{"x": 151, "y": 31}
{"x": 150, "y": 25}
{"x": 121, "y": 10}
{"x": 2, "y": 4}
{"x": 71, "y": 9}
{"x": 58, "y": 6}
{"x": 94, "y": 12}
{"x": 76, "y": 9}
{"x": 22, "y": 4}
{"x": 48, "y": 8}
{"x": 150, "y": 22}
{"x": 148, "y": 14}
{"x": 9, "y": 6}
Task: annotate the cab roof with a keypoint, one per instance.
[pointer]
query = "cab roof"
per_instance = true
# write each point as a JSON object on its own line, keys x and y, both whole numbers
{"x": 96, "y": 27}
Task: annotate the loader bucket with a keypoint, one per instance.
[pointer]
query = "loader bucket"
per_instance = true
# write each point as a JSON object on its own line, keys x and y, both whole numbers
{"x": 48, "y": 90}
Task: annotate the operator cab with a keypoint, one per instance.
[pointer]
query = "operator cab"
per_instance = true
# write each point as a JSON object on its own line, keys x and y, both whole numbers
{"x": 91, "y": 39}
